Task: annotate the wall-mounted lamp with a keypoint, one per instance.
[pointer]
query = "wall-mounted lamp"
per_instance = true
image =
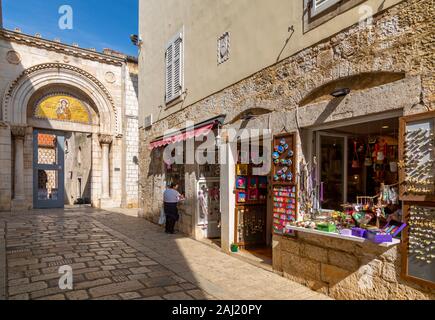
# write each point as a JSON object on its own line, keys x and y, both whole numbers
{"x": 136, "y": 40}
{"x": 341, "y": 92}
{"x": 247, "y": 116}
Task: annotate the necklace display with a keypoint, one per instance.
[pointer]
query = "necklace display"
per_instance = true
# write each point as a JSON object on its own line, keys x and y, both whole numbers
{"x": 422, "y": 233}
{"x": 419, "y": 162}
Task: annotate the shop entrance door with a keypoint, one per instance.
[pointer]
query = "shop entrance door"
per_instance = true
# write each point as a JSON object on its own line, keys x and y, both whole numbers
{"x": 48, "y": 169}
{"x": 332, "y": 172}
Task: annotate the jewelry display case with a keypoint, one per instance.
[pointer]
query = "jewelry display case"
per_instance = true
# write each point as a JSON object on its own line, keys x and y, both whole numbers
{"x": 417, "y": 190}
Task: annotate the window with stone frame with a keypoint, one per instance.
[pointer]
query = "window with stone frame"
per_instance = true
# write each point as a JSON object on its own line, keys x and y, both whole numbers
{"x": 317, "y": 12}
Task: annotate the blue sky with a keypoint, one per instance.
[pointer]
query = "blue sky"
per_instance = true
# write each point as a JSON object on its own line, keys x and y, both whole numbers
{"x": 96, "y": 23}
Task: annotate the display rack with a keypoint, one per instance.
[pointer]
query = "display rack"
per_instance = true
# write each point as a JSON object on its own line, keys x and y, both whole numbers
{"x": 284, "y": 190}
{"x": 417, "y": 157}
{"x": 417, "y": 190}
{"x": 417, "y": 243}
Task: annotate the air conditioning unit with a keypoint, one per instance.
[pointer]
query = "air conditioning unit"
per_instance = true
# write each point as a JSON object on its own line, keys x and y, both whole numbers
{"x": 148, "y": 121}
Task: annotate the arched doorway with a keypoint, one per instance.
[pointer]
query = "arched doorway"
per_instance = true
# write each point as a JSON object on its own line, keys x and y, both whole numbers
{"x": 63, "y": 120}
{"x": 63, "y": 124}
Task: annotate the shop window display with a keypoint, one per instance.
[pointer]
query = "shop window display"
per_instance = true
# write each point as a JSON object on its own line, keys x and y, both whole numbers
{"x": 357, "y": 184}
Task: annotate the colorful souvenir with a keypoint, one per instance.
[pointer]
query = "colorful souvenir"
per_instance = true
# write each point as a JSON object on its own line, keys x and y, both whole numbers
{"x": 241, "y": 182}
{"x": 283, "y": 141}
{"x": 241, "y": 197}
{"x": 281, "y": 149}
{"x": 253, "y": 195}
{"x": 275, "y": 155}
{"x": 242, "y": 169}
{"x": 253, "y": 182}
{"x": 290, "y": 154}
{"x": 262, "y": 182}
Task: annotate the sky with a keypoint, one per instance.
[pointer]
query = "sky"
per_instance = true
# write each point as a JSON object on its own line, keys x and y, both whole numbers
{"x": 95, "y": 23}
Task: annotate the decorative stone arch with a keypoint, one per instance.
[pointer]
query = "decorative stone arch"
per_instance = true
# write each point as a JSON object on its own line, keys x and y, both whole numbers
{"x": 324, "y": 87}
{"x": 21, "y": 90}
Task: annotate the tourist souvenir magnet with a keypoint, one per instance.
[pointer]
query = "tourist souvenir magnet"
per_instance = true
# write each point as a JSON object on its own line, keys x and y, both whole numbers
{"x": 275, "y": 155}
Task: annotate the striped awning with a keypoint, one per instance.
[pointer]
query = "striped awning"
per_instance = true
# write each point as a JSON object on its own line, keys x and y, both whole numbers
{"x": 189, "y": 134}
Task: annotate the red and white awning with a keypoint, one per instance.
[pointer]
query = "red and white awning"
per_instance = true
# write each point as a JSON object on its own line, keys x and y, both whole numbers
{"x": 164, "y": 141}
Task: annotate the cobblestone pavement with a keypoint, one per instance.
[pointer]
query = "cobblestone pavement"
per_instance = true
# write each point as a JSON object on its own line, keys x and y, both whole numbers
{"x": 118, "y": 256}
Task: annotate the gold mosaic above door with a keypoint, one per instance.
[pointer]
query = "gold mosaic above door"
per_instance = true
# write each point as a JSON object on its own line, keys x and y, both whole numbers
{"x": 62, "y": 108}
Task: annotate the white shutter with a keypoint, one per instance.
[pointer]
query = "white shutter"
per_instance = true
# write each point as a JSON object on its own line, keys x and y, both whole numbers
{"x": 174, "y": 68}
{"x": 318, "y": 6}
{"x": 169, "y": 74}
{"x": 148, "y": 122}
{"x": 178, "y": 67}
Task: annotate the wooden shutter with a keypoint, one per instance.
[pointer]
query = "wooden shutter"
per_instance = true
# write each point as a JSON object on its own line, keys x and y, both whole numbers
{"x": 318, "y": 6}
{"x": 178, "y": 67}
{"x": 174, "y": 68}
{"x": 169, "y": 73}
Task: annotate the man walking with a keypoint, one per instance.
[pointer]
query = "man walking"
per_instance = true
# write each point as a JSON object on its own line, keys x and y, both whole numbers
{"x": 171, "y": 198}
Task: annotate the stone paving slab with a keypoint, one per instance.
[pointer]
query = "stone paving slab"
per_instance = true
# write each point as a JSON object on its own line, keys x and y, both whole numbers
{"x": 115, "y": 256}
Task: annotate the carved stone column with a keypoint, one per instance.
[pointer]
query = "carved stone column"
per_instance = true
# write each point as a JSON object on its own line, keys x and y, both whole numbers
{"x": 19, "y": 133}
{"x": 105, "y": 141}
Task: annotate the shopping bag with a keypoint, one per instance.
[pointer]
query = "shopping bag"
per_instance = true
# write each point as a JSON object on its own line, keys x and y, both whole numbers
{"x": 162, "y": 219}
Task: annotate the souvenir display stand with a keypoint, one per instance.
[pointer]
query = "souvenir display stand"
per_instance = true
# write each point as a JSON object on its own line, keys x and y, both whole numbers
{"x": 417, "y": 189}
{"x": 251, "y": 207}
{"x": 284, "y": 192}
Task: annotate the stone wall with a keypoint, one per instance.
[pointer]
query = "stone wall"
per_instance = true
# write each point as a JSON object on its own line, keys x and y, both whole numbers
{"x": 398, "y": 42}
{"x": 344, "y": 269}
{"x": 132, "y": 137}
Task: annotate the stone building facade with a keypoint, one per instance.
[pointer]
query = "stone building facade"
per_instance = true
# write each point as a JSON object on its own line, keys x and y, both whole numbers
{"x": 389, "y": 67}
{"x": 75, "y": 96}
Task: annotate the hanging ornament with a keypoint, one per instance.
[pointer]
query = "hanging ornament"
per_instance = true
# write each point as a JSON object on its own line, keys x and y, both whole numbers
{"x": 355, "y": 161}
{"x": 368, "y": 160}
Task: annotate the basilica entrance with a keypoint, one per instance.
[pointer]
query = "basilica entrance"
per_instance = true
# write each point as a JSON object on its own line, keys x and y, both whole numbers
{"x": 66, "y": 141}
{"x": 48, "y": 169}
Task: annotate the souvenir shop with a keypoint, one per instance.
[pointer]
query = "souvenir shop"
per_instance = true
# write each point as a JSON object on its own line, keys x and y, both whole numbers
{"x": 367, "y": 182}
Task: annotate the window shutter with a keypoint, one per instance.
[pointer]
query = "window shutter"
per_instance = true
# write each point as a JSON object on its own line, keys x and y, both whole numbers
{"x": 318, "y": 6}
{"x": 169, "y": 74}
{"x": 177, "y": 67}
{"x": 174, "y": 68}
